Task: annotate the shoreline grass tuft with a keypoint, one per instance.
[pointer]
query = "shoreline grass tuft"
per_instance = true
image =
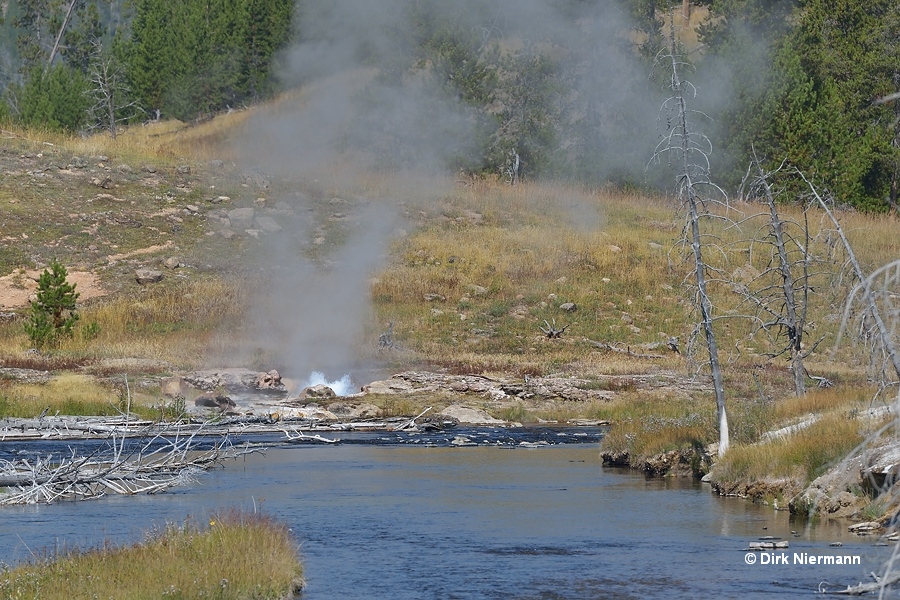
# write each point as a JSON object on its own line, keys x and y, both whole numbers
{"x": 238, "y": 555}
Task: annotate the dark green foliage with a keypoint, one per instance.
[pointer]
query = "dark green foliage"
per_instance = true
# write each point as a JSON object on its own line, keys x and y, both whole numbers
{"x": 807, "y": 93}
{"x": 53, "y": 313}
{"x": 55, "y": 100}
{"x": 191, "y": 58}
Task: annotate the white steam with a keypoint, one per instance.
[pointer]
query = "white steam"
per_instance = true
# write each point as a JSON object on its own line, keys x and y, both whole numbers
{"x": 341, "y": 387}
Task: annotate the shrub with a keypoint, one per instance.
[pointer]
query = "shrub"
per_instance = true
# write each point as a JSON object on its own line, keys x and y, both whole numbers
{"x": 53, "y": 313}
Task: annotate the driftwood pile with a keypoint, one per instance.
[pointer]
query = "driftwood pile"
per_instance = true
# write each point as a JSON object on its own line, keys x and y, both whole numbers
{"x": 162, "y": 459}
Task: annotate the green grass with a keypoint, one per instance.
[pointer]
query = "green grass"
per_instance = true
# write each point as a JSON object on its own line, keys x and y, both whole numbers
{"x": 236, "y": 556}
{"x": 802, "y": 456}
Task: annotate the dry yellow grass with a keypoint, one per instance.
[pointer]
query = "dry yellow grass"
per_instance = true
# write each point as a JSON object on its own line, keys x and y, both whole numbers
{"x": 802, "y": 456}
{"x": 238, "y": 556}
{"x": 67, "y": 393}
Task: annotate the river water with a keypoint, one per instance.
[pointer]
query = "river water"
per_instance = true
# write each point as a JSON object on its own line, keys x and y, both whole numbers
{"x": 409, "y": 517}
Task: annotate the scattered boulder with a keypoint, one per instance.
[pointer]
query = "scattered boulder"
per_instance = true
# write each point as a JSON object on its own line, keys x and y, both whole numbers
{"x": 568, "y": 307}
{"x": 477, "y": 290}
{"x": 745, "y": 274}
{"x": 145, "y": 276}
{"x": 102, "y": 182}
{"x": 223, "y": 403}
{"x": 434, "y": 298}
{"x": 268, "y": 224}
{"x": 173, "y": 387}
{"x": 471, "y": 416}
{"x": 241, "y": 218}
{"x": 270, "y": 380}
{"x": 317, "y": 391}
{"x": 171, "y": 263}
{"x": 183, "y": 169}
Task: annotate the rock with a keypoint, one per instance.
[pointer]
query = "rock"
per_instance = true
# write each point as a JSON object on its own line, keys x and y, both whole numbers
{"x": 241, "y": 218}
{"x": 173, "y": 386}
{"x": 183, "y": 169}
{"x": 655, "y": 246}
{"x": 317, "y": 391}
{"x": 351, "y": 411}
{"x": 471, "y": 416}
{"x": 568, "y": 307}
{"x": 866, "y": 527}
{"x": 171, "y": 263}
{"x": 614, "y": 249}
{"x": 144, "y": 276}
{"x": 477, "y": 290}
{"x": 217, "y": 164}
{"x": 192, "y": 208}
{"x": 227, "y": 233}
{"x": 627, "y": 319}
{"x": 223, "y": 403}
{"x": 745, "y": 274}
{"x": 149, "y": 168}
{"x": 268, "y": 224}
{"x": 103, "y": 182}
{"x": 434, "y": 298}
{"x": 269, "y": 381}
{"x": 220, "y": 199}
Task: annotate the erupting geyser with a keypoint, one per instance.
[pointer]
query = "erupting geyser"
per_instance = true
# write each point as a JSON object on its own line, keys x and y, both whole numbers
{"x": 341, "y": 387}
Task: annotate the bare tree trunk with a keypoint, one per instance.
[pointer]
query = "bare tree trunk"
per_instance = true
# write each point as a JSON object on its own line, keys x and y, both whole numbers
{"x": 62, "y": 30}
{"x": 865, "y": 283}
{"x": 688, "y": 194}
{"x": 795, "y": 323}
{"x": 707, "y": 323}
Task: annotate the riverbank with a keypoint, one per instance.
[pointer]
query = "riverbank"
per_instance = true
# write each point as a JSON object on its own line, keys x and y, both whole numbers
{"x": 531, "y": 303}
{"x": 234, "y": 556}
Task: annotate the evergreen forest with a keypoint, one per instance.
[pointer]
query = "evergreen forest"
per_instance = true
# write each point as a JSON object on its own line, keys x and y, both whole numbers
{"x": 562, "y": 89}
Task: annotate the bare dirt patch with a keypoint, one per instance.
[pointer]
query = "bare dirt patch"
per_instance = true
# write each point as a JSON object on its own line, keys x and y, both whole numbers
{"x": 18, "y": 288}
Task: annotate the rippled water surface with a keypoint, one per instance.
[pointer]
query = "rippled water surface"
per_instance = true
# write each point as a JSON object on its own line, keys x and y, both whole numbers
{"x": 413, "y": 517}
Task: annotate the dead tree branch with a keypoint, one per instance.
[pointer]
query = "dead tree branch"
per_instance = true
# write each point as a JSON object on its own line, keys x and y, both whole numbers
{"x": 627, "y": 351}
{"x": 155, "y": 464}
{"x": 865, "y": 290}
{"x": 551, "y": 331}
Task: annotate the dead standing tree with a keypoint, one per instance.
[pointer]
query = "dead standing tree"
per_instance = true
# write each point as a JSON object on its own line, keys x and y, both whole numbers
{"x": 687, "y": 151}
{"x": 780, "y": 293}
{"x": 874, "y": 300}
{"x": 108, "y": 91}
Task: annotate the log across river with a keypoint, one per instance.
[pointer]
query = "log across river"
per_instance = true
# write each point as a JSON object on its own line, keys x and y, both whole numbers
{"x": 477, "y": 513}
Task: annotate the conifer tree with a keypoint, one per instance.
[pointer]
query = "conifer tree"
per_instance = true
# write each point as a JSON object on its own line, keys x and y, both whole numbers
{"x": 53, "y": 314}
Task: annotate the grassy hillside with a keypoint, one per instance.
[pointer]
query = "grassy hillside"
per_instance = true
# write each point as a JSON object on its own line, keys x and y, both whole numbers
{"x": 475, "y": 268}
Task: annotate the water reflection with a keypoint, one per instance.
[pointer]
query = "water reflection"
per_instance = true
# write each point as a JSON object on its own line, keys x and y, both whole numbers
{"x": 476, "y": 522}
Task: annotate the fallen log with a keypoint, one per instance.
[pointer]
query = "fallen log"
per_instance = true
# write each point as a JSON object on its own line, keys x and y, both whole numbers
{"x": 412, "y": 422}
{"x": 164, "y": 460}
{"x": 626, "y": 351}
{"x": 878, "y": 585}
{"x": 299, "y": 436}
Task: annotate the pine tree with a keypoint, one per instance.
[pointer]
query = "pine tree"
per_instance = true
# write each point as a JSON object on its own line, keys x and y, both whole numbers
{"x": 53, "y": 313}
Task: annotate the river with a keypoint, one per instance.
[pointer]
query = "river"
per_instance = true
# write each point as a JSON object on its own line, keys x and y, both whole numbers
{"x": 409, "y": 517}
